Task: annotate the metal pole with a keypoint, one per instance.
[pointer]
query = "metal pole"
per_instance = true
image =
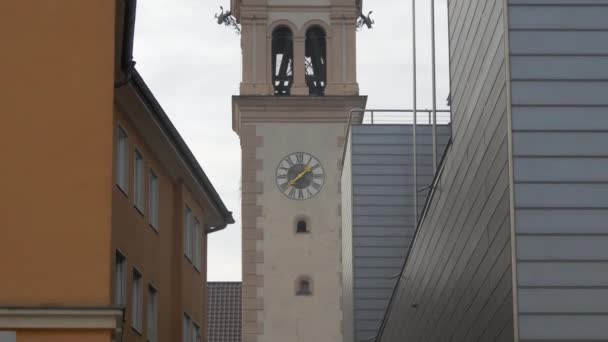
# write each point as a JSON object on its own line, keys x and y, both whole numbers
{"x": 372, "y": 117}
{"x": 434, "y": 86}
{"x": 415, "y": 108}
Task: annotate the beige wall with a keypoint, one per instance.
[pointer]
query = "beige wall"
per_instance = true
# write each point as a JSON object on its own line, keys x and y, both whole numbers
{"x": 57, "y": 64}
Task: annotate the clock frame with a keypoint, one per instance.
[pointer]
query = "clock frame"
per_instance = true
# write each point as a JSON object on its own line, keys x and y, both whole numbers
{"x": 300, "y": 176}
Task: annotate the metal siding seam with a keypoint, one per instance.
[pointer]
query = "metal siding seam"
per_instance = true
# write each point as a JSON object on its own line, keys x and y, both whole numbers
{"x": 507, "y": 33}
{"x": 349, "y": 137}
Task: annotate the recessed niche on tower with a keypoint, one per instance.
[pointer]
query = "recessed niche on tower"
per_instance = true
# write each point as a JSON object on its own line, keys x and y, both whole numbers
{"x": 316, "y": 60}
{"x": 282, "y": 60}
{"x": 304, "y": 287}
{"x": 302, "y": 226}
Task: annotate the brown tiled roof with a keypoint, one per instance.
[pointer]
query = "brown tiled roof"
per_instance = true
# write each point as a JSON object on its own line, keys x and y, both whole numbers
{"x": 224, "y": 312}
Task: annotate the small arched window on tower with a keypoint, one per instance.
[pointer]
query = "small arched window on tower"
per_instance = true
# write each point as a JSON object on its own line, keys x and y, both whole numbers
{"x": 316, "y": 61}
{"x": 301, "y": 226}
{"x": 304, "y": 287}
{"x": 282, "y": 60}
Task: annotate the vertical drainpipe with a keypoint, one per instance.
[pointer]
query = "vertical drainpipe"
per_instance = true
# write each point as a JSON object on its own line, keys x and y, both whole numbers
{"x": 414, "y": 112}
{"x": 434, "y": 86}
{"x": 343, "y": 49}
{"x": 254, "y": 43}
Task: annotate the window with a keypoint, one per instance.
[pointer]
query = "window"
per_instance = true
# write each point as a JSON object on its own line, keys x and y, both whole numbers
{"x": 315, "y": 61}
{"x": 304, "y": 287}
{"x": 301, "y": 227}
{"x": 120, "y": 280}
{"x": 153, "y": 200}
{"x": 188, "y": 221}
{"x": 138, "y": 187}
{"x": 122, "y": 160}
{"x": 136, "y": 308}
{"x": 197, "y": 245}
{"x": 282, "y": 60}
{"x": 196, "y": 332}
{"x": 152, "y": 313}
{"x": 186, "y": 328}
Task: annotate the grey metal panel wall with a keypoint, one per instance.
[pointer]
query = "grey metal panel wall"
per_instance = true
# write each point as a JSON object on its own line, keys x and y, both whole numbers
{"x": 559, "y": 71}
{"x": 457, "y": 283}
{"x": 383, "y": 211}
{"x": 346, "y": 187}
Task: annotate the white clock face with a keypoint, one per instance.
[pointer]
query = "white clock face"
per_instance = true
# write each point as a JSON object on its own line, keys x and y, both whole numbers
{"x": 300, "y": 176}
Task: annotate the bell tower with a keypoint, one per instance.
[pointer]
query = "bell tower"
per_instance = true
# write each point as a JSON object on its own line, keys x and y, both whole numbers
{"x": 298, "y": 87}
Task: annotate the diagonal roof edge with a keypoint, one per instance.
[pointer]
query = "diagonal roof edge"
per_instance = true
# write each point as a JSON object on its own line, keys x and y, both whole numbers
{"x": 183, "y": 149}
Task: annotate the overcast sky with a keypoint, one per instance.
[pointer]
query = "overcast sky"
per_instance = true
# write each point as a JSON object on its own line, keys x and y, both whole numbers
{"x": 192, "y": 65}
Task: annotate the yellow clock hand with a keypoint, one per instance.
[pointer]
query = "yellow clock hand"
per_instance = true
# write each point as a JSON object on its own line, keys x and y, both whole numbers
{"x": 298, "y": 177}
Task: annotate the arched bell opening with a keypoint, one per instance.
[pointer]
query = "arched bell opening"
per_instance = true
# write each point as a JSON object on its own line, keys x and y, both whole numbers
{"x": 316, "y": 60}
{"x": 282, "y": 60}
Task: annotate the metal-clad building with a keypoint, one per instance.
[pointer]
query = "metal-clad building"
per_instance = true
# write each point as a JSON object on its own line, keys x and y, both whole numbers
{"x": 378, "y": 215}
{"x": 512, "y": 244}
{"x": 559, "y": 83}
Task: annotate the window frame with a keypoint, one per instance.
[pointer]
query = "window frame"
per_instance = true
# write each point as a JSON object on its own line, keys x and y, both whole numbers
{"x": 152, "y": 314}
{"x": 139, "y": 180}
{"x": 195, "y": 334}
{"x": 188, "y": 221}
{"x": 196, "y": 244}
{"x": 186, "y": 331}
{"x": 122, "y": 159}
{"x": 137, "y": 301}
{"x": 153, "y": 199}
{"x": 120, "y": 279}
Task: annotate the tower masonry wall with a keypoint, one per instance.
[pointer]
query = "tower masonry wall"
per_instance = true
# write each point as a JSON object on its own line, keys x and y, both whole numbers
{"x": 289, "y": 256}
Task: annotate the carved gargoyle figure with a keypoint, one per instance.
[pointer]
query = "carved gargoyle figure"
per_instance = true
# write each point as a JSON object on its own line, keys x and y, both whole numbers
{"x": 226, "y": 18}
{"x": 365, "y": 20}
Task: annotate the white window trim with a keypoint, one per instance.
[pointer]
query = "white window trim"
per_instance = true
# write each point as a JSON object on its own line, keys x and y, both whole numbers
{"x": 186, "y": 330}
{"x": 139, "y": 180}
{"x": 188, "y": 222}
{"x": 195, "y": 334}
{"x": 122, "y": 160}
{"x": 120, "y": 281}
{"x": 196, "y": 244}
{"x": 152, "y": 316}
{"x": 153, "y": 199}
{"x": 137, "y": 301}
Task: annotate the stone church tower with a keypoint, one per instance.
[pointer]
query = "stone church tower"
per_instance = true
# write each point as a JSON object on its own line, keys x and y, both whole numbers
{"x": 298, "y": 87}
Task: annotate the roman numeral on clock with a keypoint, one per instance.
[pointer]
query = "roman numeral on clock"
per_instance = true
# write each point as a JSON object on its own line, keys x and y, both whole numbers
{"x": 300, "y": 158}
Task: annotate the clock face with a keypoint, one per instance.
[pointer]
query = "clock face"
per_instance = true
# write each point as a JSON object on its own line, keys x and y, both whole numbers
{"x": 300, "y": 176}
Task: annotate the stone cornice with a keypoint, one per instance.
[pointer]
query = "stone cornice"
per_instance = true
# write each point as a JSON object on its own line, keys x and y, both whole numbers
{"x": 60, "y": 318}
{"x": 321, "y": 109}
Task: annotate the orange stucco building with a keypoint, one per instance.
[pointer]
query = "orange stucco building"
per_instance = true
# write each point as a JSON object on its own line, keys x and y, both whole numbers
{"x": 103, "y": 208}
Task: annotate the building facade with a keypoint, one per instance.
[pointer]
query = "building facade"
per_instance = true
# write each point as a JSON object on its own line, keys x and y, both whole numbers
{"x": 108, "y": 242}
{"x": 378, "y": 212}
{"x": 511, "y": 245}
{"x": 298, "y": 87}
